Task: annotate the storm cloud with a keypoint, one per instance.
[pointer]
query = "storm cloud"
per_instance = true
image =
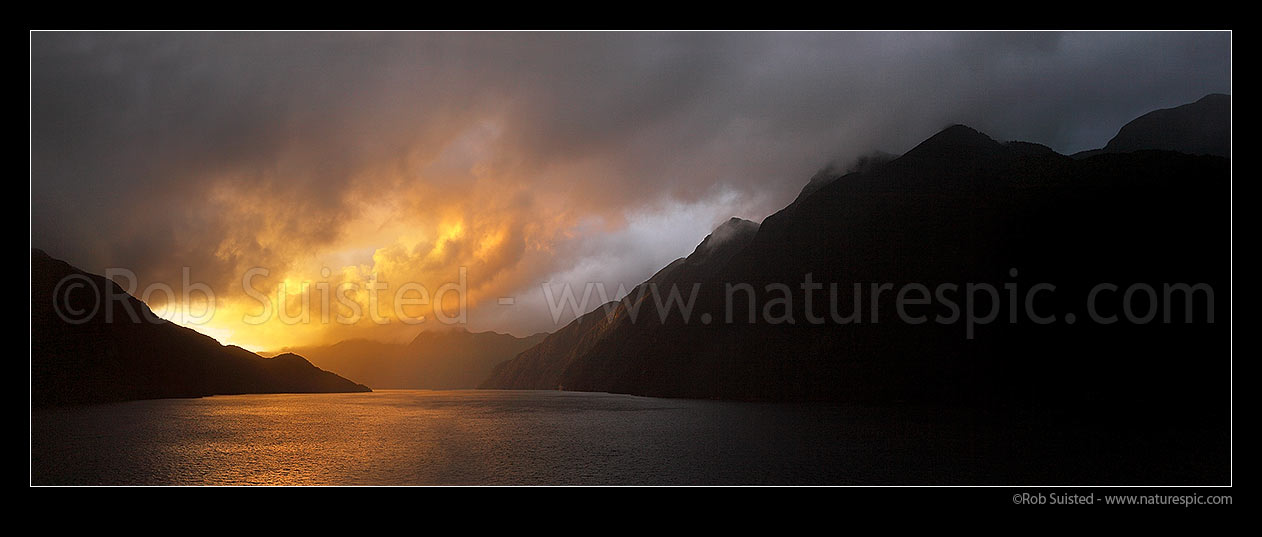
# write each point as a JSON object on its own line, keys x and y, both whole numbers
{"x": 525, "y": 157}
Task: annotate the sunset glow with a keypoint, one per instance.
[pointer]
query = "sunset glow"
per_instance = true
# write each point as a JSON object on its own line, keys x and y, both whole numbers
{"x": 892, "y": 260}
{"x": 420, "y": 154}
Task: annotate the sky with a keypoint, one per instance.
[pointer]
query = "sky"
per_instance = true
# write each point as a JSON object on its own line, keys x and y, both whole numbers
{"x": 521, "y": 160}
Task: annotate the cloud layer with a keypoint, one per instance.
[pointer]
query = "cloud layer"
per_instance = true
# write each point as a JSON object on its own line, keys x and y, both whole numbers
{"x": 524, "y": 157}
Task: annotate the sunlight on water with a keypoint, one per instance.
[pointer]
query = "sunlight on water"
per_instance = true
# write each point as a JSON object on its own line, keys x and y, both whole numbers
{"x": 485, "y": 437}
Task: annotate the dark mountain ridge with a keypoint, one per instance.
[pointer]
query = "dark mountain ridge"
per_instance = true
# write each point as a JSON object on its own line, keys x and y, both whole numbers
{"x": 1199, "y": 128}
{"x": 133, "y": 354}
{"x": 544, "y": 366}
{"x": 958, "y": 208}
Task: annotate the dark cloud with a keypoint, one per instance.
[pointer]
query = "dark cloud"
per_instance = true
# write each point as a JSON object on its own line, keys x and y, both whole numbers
{"x": 160, "y": 150}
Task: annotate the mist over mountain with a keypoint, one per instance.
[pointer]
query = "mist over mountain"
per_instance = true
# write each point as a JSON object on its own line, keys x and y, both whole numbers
{"x": 857, "y": 259}
{"x": 119, "y": 350}
{"x": 545, "y": 365}
{"x": 450, "y": 358}
{"x": 608, "y": 148}
{"x": 957, "y": 209}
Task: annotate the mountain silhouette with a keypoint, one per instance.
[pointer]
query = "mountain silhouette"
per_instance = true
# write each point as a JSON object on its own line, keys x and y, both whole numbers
{"x": 452, "y": 358}
{"x": 124, "y": 351}
{"x": 960, "y": 207}
{"x": 545, "y": 365}
{"x": 1199, "y": 128}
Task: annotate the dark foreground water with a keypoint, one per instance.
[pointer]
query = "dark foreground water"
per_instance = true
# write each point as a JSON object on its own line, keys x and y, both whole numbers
{"x": 400, "y": 437}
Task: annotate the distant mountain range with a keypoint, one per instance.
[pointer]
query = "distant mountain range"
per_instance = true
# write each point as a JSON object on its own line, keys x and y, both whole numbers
{"x": 137, "y": 355}
{"x": 1151, "y": 208}
{"x": 436, "y": 359}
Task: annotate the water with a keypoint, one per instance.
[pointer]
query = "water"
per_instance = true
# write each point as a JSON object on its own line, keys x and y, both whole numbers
{"x": 403, "y": 437}
{"x": 476, "y": 437}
